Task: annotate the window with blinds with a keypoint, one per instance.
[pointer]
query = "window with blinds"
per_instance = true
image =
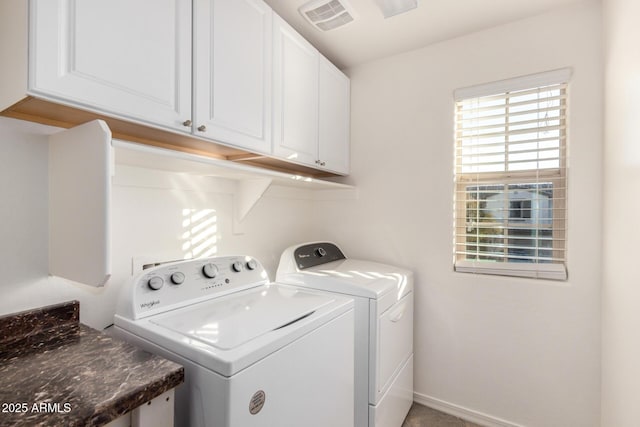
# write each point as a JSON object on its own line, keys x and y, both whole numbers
{"x": 510, "y": 177}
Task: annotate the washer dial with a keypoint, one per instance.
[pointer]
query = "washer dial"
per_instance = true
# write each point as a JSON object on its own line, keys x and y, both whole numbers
{"x": 210, "y": 270}
{"x": 155, "y": 283}
{"x": 177, "y": 278}
{"x": 236, "y": 266}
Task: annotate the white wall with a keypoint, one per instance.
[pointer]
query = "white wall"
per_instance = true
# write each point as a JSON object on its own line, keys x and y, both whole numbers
{"x": 23, "y": 206}
{"x": 519, "y": 350}
{"x": 149, "y": 209}
{"x": 621, "y": 290}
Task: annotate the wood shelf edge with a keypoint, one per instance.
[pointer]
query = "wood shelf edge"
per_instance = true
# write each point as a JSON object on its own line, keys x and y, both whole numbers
{"x": 52, "y": 113}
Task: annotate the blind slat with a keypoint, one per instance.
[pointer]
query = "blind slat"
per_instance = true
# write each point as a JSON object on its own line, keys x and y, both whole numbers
{"x": 469, "y": 159}
{"x": 469, "y": 138}
{"x": 538, "y": 128}
{"x": 462, "y": 110}
{"x": 511, "y": 177}
{"x": 513, "y": 257}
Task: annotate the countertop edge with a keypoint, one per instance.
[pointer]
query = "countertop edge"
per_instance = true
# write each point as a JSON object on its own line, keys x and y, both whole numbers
{"x": 126, "y": 403}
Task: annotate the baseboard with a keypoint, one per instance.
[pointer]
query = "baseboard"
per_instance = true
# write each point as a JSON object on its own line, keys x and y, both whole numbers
{"x": 462, "y": 412}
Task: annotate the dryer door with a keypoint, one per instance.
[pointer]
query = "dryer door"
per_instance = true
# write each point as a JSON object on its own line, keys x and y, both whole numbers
{"x": 395, "y": 343}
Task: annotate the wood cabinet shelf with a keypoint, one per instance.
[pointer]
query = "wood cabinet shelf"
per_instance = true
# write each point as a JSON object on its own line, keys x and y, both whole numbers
{"x": 56, "y": 114}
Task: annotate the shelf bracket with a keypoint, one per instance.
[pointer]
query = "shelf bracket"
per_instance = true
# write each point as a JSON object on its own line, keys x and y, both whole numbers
{"x": 248, "y": 192}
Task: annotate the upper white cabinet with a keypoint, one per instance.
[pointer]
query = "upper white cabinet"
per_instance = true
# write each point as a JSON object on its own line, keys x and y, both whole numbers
{"x": 224, "y": 78}
{"x": 127, "y": 57}
{"x": 334, "y": 114}
{"x": 295, "y": 100}
{"x": 311, "y": 104}
{"x": 233, "y": 72}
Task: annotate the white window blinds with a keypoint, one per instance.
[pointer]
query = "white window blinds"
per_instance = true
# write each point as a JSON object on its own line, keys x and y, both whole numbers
{"x": 510, "y": 177}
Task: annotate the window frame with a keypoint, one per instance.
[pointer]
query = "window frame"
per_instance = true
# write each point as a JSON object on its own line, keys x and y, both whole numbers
{"x": 539, "y": 268}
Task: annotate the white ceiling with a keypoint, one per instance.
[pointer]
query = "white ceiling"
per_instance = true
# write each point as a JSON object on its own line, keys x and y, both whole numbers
{"x": 371, "y": 36}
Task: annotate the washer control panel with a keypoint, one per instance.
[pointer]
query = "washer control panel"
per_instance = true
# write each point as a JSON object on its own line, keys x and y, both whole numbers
{"x": 180, "y": 283}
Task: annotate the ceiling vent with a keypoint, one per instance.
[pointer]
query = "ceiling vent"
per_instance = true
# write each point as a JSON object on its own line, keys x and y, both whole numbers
{"x": 326, "y": 15}
{"x": 391, "y": 8}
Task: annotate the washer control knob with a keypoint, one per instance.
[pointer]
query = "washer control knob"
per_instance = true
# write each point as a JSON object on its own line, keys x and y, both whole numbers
{"x": 321, "y": 252}
{"x": 236, "y": 266}
{"x": 210, "y": 270}
{"x": 252, "y": 264}
{"x": 177, "y": 278}
{"x": 155, "y": 283}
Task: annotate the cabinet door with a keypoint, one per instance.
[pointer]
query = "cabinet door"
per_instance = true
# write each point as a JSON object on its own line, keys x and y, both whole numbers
{"x": 295, "y": 99}
{"x": 130, "y": 58}
{"x": 333, "y": 132}
{"x": 233, "y": 61}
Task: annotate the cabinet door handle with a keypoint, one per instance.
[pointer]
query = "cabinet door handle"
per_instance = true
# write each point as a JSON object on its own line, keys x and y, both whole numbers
{"x": 202, "y": 128}
{"x": 320, "y": 162}
{"x": 186, "y": 123}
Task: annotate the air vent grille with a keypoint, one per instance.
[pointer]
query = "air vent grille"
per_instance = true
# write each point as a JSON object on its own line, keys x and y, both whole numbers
{"x": 327, "y": 14}
{"x": 336, "y": 22}
{"x": 326, "y": 11}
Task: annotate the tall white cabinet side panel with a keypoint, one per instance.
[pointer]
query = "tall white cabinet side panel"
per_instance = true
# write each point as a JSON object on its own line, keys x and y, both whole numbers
{"x": 295, "y": 95}
{"x": 334, "y": 111}
{"x": 233, "y": 62}
{"x": 13, "y": 49}
{"x": 80, "y": 203}
{"x": 128, "y": 57}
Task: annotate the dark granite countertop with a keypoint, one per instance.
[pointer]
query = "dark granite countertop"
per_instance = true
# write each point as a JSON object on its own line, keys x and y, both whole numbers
{"x": 55, "y": 371}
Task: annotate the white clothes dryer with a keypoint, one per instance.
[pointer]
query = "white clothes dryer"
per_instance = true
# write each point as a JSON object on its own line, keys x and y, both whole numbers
{"x": 256, "y": 354}
{"x": 383, "y": 297}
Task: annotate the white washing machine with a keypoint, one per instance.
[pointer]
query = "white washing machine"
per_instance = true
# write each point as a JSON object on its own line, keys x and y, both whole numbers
{"x": 383, "y": 297}
{"x": 256, "y": 354}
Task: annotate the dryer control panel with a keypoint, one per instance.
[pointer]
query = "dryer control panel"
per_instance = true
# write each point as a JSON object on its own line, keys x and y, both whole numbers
{"x": 176, "y": 284}
{"x": 315, "y": 254}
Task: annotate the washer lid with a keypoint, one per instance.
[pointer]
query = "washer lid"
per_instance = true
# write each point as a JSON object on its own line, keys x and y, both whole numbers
{"x": 230, "y": 322}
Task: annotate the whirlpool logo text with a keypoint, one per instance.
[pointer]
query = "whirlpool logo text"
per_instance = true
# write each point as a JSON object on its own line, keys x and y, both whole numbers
{"x": 149, "y": 304}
